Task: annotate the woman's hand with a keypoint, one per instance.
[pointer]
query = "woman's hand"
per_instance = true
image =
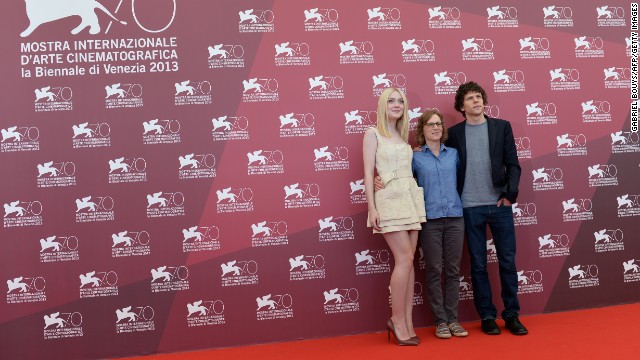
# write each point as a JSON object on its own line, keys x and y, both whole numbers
{"x": 377, "y": 183}
{"x": 374, "y": 218}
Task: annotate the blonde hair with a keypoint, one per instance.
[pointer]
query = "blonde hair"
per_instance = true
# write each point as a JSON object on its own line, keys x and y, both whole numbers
{"x": 383, "y": 119}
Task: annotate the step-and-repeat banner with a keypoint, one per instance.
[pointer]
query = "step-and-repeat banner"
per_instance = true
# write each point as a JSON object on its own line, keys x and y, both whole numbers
{"x": 180, "y": 175}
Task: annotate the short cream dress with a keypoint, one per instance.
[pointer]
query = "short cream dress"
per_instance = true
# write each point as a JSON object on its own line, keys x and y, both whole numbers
{"x": 400, "y": 204}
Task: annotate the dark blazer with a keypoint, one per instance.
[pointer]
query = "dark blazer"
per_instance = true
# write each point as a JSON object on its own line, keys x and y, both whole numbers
{"x": 505, "y": 168}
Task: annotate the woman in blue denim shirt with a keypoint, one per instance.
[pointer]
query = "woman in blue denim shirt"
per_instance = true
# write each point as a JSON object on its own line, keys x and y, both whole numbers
{"x": 442, "y": 236}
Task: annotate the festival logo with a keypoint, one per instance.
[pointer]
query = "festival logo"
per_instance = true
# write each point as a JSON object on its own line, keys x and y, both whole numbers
{"x": 466, "y": 290}
{"x": 256, "y": 21}
{"x": 581, "y": 276}
{"x": 523, "y": 147}
{"x": 418, "y": 298}
{"x": 200, "y": 238}
{"x": 98, "y": 284}
{"x": 502, "y": 17}
{"x": 447, "y": 82}
{"x": 628, "y": 205}
{"x": 59, "y": 248}
{"x": 306, "y": 267}
{"x": 276, "y": 306}
{"x": 24, "y": 289}
{"x": 292, "y": 54}
{"x": 628, "y": 41}
{"x": 22, "y": 213}
{"x": 158, "y": 131}
{"x": 61, "y": 325}
{"x": 631, "y": 270}
{"x": 334, "y": 158}
{"x": 625, "y": 142}
{"x": 234, "y": 200}
{"x": 324, "y": 87}
{"x": 297, "y": 124}
{"x": 95, "y": 208}
{"x": 356, "y": 52}
{"x": 529, "y": 281}
{"x": 557, "y": 16}
{"x": 239, "y": 272}
{"x": 192, "y": 93}
{"x": 120, "y": 96}
{"x": 321, "y": 20}
{"x": 415, "y": 113}
{"x": 260, "y": 90}
{"x": 132, "y": 319}
{"x": 492, "y": 254}
{"x": 94, "y": 135}
{"x": 551, "y": 245}
{"x": 610, "y": 16}
{"x": 508, "y": 81}
{"x": 20, "y": 138}
{"x": 130, "y": 243}
{"x": 617, "y": 78}
{"x": 577, "y": 210}
{"x": 338, "y": 301}
{"x": 301, "y": 195}
{"x": 196, "y": 166}
{"x": 127, "y": 170}
{"x": 477, "y": 49}
{"x": 53, "y": 98}
{"x": 608, "y": 240}
{"x": 541, "y": 113}
{"x": 420, "y": 50}
{"x": 230, "y": 128}
{"x": 335, "y": 228}
{"x": 384, "y": 80}
{"x": 56, "y": 174}
{"x": 589, "y": 47}
{"x": 226, "y": 56}
{"x": 163, "y": 204}
{"x": 442, "y": 17}
{"x": 265, "y": 162}
{"x": 534, "y": 48}
{"x": 40, "y": 13}
{"x": 547, "y": 179}
{"x": 169, "y": 278}
{"x": 384, "y": 19}
{"x": 205, "y": 313}
{"x": 524, "y": 214}
{"x": 358, "y": 121}
{"x": 603, "y": 175}
{"x": 269, "y": 233}
{"x": 596, "y": 111}
{"x": 372, "y": 262}
{"x": 357, "y": 194}
{"x": 571, "y": 145}
{"x": 564, "y": 79}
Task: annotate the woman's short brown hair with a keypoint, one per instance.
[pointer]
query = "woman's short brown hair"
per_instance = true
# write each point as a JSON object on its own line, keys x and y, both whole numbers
{"x": 422, "y": 121}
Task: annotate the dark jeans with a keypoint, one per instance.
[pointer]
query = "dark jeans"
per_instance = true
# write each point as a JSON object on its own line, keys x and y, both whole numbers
{"x": 442, "y": 239}
{"x": 500, "y": 221}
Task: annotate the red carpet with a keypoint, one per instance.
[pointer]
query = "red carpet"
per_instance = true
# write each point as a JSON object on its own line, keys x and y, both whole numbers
{"x": 603, "y": 333}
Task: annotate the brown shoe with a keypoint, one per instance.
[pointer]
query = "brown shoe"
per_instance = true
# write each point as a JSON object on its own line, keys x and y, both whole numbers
{"x": 442, "y": 331}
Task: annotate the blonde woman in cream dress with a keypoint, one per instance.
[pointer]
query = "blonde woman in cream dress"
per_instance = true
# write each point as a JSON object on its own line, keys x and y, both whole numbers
{"x": 396, "y": 216}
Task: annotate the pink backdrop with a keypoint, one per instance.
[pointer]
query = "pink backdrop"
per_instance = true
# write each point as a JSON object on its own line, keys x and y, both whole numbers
{"x": 192, "y": 178}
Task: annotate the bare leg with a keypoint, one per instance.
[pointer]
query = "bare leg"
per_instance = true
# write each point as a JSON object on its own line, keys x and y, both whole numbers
{"x": 400, "y": 244}
{"x": 413, "y": 238}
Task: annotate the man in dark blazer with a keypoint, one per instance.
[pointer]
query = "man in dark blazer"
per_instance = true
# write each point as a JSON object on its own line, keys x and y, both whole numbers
{"x": 488, "y": 179}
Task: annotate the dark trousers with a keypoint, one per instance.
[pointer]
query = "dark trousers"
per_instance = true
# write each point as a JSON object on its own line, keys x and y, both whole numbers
{"x": 442, "y": 240}
{"x": 500, "y": 221}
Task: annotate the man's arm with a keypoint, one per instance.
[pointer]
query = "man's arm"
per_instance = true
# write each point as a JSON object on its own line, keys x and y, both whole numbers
{"x": 511, "y": 164}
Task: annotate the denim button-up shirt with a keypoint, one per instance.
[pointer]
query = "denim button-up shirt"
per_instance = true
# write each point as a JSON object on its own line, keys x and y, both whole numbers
{"x": 437, "y": 175}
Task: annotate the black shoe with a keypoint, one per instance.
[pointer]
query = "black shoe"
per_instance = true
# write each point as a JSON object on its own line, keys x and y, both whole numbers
{"x": 490, "y": 327}
{"x": 514, "y": 325}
